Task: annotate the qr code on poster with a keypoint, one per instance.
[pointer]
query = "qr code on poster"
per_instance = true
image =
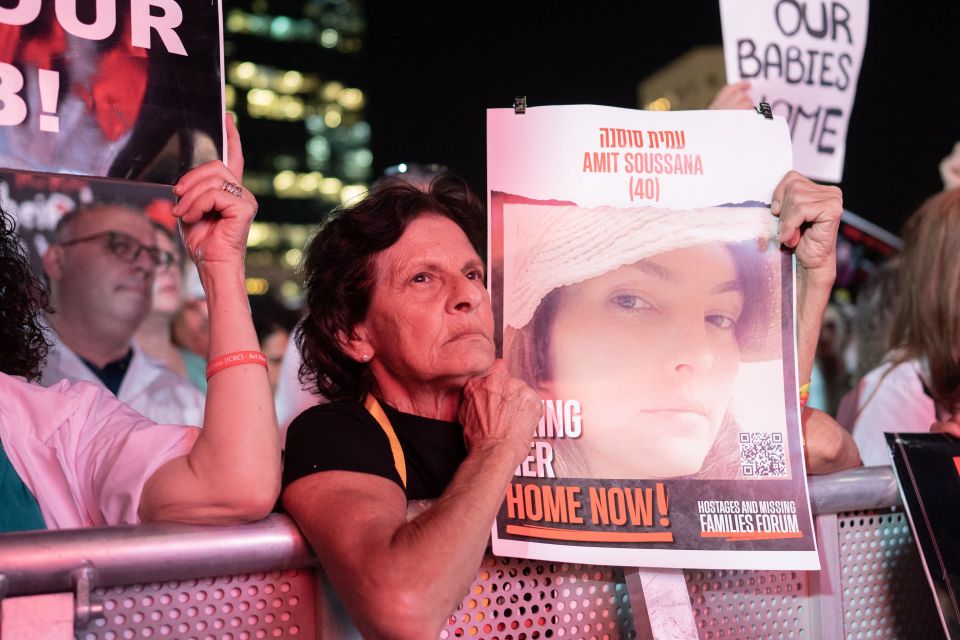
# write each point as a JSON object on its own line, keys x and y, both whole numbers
{"x": 763, "y": 455}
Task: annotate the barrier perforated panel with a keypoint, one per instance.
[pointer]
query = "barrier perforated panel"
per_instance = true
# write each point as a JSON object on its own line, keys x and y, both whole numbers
{"x": 885, "y": 592}
{"x": 279, "y": 604}
{"x": 527, "y": 600}
{"x": 750, "y": 604}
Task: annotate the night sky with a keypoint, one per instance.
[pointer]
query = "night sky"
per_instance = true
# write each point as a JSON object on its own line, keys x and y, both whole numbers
{"x": 434, "y": 67}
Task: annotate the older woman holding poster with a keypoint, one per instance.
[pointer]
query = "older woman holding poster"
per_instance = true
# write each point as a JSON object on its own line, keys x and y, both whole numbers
{"x": 72, "y": 455}
{"x": 400, "y": 337}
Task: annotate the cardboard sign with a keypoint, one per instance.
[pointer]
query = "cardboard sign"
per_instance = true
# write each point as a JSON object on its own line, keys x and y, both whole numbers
{"x": 804, "y": 59}
{"x": 639, "y": 288}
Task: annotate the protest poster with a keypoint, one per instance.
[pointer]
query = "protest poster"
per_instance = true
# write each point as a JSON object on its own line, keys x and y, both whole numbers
{"x": 804, "y": 59}
{"x": 639, "y": 288}
{"x": 128, "y": 89}
{"x": 928, "y": 474}
{"x": 37, "y": 201}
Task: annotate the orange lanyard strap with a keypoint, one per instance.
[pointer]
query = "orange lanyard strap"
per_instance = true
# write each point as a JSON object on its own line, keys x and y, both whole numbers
{"x": 370, "y": 404}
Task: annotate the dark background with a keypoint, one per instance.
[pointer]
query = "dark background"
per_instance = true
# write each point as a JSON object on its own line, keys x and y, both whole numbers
{"x": 435, "y": 67}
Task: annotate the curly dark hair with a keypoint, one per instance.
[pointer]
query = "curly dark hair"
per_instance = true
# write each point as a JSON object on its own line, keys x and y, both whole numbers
{"x": 23, "y": 299}
{"x": 338, "y": 276}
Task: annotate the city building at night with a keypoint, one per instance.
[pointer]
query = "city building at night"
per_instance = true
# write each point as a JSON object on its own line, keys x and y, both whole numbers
{"x": 294, "y": 78}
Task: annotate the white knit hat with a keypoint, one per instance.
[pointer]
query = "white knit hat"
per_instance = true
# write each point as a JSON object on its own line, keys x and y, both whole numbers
{"x": 547, "y": 246}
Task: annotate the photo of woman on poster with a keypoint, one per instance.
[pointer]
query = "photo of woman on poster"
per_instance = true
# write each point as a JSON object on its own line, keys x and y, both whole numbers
{"x": 661, "y": 324}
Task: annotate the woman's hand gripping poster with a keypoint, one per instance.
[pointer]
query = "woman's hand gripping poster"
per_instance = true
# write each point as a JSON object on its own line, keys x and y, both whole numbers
{"x": 640, "y": 289}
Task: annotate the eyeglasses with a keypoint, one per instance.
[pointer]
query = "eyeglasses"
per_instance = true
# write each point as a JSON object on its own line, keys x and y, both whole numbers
{"x": 128, "y": 248}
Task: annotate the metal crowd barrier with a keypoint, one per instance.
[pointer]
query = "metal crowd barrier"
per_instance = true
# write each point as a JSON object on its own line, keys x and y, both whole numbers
{"x": 260, "y": 581}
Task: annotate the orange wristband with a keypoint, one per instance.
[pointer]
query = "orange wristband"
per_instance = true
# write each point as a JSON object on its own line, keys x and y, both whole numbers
{"x": 234, "y": 359}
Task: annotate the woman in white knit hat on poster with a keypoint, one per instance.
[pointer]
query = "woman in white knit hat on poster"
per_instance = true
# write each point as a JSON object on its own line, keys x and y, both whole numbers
{"x": 661, "y": 327}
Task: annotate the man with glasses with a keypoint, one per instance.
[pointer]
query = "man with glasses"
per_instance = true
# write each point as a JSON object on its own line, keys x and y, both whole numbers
{"x": 101, "y": 266}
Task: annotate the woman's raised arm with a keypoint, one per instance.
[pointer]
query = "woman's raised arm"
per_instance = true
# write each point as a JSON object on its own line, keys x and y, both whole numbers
{"x": 232, "y": 474}
{"x": 809, "y": 219}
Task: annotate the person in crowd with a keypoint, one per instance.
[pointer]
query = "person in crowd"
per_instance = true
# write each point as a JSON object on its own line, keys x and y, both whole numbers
{"x": 874, "y": 313}
{"x": 399, "y": 336}
{"x": 101, "y": 266}
{"x": 873, "y": 316}
{"x": 73, "y": 455}
{"x": 274, "y": 324}
{"x": 919, "y": 382}
{"x": 831, "y": 379}
{"x": 291, "y": 396}
{"x": 950, "y": 169}
{"x": 155, "y": 335}
{"x": 191, "y": 325}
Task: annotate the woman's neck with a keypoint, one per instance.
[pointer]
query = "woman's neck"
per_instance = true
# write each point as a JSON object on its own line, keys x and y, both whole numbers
{"x": 428, "y": 401}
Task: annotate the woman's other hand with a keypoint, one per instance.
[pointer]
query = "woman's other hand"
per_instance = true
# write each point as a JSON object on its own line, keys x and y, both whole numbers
{"x": 215, "y": 211}
{"x": 499, "y": 410}
{"x": 951, "y": 426}
{"x": 735, "y": 95}
{"x": 829, "y": 447}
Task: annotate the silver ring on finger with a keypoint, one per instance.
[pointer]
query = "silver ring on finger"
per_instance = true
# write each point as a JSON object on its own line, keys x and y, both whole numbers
{"x": 232, "y": 188}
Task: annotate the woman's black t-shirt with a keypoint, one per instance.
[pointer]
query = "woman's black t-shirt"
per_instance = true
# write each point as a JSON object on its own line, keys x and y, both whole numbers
{"x": 343, "y": 436}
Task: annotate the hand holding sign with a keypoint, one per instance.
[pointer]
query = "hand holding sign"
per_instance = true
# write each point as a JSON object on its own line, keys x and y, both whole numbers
{"x": 809, "y": 219}
{"x": 214, "y": 210}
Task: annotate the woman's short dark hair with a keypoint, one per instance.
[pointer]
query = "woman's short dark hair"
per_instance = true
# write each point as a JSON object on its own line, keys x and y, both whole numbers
{"x": 338, "y": 272}
{"x": 22, "y": 301}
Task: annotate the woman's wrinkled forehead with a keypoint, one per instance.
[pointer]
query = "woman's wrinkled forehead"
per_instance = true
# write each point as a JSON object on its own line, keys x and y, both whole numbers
{"x": 430, "y": 241}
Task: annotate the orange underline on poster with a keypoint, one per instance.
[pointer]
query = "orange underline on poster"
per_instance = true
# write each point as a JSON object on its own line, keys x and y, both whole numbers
{"x": 587, "y": 536}
{"x": 751, "y": 535}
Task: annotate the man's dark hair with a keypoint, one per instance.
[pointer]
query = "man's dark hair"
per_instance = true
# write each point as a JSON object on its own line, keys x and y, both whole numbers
{"x": 23, "y": 338}
{"x": 339, "y": 278}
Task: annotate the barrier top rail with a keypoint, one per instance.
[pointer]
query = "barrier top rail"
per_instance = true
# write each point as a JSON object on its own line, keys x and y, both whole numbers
{"x": 49, "y": 561}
